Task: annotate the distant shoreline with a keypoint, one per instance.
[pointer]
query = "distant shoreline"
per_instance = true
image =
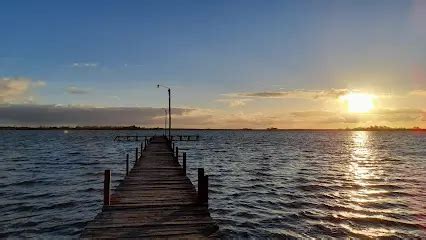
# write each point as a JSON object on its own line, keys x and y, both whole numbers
{"x": 134, "y": 128}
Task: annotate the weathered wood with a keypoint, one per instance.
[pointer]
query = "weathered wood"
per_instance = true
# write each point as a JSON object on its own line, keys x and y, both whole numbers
{"x": 127, "y": 164}
{"x": 205, "y": 196}
{"x": 141, "y": 148}
{"x": 184, "y": 163}
{"x": 201, "y": 187}
{"x": 107, "y": 187}
{"x": 155, "y": 200}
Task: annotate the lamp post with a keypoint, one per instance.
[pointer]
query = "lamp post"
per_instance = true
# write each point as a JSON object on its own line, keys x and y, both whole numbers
{"x": 170, "y": 110}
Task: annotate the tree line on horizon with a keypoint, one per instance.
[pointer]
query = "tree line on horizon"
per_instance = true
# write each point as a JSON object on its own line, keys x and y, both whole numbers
{"x": 134, "y": 127}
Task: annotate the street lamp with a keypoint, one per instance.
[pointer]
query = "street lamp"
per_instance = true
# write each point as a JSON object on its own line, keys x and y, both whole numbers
{"x": 170, "y": 110}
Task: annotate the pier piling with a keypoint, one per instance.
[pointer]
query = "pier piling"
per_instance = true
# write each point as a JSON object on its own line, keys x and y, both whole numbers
{"x": 127, "y": 164}
{"x": 141, "y": 148}
{"x": 156, "y": 200}
{"x": 107, "y": 187}
{"x": 184, "y": 163}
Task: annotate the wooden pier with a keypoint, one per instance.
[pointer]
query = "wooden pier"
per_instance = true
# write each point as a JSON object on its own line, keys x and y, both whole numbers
{"x": 137, "y": 138}
{"x": 155, "y": 200}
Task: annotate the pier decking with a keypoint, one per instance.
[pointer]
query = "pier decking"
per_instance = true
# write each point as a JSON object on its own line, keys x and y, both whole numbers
{"x": 155, "y": 200}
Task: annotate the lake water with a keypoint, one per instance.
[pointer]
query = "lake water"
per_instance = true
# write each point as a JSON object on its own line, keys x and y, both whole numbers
{"x": 263, "y": 184}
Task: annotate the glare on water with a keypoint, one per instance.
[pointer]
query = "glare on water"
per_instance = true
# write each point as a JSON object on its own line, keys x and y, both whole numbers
{"x": 263, "y": 184}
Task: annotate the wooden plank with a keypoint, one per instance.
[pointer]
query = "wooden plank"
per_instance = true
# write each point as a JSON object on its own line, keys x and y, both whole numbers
{"x": 156, "y": 200}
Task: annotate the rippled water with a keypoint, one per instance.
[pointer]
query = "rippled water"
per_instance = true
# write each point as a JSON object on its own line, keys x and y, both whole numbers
{"x": 263, "y": 184}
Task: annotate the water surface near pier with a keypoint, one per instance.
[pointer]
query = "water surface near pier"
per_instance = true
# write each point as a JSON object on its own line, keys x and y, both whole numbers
{"x": 262, "y": 183}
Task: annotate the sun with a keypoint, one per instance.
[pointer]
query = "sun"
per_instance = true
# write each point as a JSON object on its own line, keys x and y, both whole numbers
{"x": 358, "y": 102}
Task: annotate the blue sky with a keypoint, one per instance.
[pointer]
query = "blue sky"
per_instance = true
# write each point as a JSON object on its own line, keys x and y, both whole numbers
{"x": 115, "y": 52}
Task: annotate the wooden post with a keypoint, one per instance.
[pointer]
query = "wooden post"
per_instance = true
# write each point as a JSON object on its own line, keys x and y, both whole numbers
{"x": 127, "y": 164}
{"x": 107, "y": 187}
{"x": 141, "y": 148}
{"x": 177, "y": 154}
{"x": 136, "y": 154}
{"x": 184, "y": 163}
{"x": 200, "y": 184}
{"x": 205, "y": 199}
{"x": 173, "y": 147}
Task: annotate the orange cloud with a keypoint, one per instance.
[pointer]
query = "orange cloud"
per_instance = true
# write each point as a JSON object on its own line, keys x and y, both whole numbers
{"x": 17, "y": 89}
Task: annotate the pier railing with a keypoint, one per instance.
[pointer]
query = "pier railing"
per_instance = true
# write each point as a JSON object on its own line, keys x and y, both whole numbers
{"x": 137, "y": 138}
{"x": 203, "y": 180}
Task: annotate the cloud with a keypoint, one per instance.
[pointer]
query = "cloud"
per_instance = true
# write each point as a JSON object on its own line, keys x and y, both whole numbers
{"x": 235, "y": 102}
{"x": 419, "y": 92}
{"x": 38, "y": 84}
{"x": 85, "y": 64}
{"x": 399, "y": 115}
{"x": 55, "y": 115}
{"x": 382, "y": 116}
{"x": 308, "y": 114}
{"x": 17, "y": 89}
{"x": 304, "y": 94}
{"x": 76, "y": 90}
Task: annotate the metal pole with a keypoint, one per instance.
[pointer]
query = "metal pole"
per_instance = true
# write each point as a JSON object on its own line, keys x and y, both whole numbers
{"x": 170, "y": 114}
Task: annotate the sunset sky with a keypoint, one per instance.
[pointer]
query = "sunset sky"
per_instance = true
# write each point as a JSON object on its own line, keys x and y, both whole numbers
{"x": 230, "y": 64}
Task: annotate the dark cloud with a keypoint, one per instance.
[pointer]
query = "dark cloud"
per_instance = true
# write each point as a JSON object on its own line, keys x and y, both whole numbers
{"x": 399, "y": 115}
{"x": 264, "y": 94}
{"x": 51, "y": 115}
{"x": 379, "y": 115}
{"x": 76, "y": 90}
{"x": 306, "y": 114}
{"x": 306, "y": 94}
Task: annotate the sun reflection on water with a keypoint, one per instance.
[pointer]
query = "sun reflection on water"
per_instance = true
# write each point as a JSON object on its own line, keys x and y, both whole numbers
{"x": 364, "y": 169}
{"x": 360, "y": 155}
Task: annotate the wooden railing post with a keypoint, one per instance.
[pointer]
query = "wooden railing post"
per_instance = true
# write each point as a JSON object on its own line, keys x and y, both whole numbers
{"x": 206, "y": 190}
{"x": 177, "y": 154}
{"x": 136, "y": 154}
{"x": 141, "y": 148}
{"x": 107, "y": 187}
{"x": 184, "y": 163}
{"x": 127, "y": 164}
{"x": 203, "y": 187}
{"x": 200, "y": 184}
